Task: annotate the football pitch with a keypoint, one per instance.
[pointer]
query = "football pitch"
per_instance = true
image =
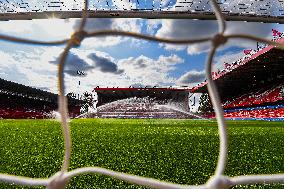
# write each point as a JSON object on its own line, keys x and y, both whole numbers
{"x": 180, "y": 151}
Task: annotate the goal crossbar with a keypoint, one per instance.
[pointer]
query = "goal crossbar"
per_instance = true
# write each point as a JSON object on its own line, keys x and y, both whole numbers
{"x": 139, "y": 14}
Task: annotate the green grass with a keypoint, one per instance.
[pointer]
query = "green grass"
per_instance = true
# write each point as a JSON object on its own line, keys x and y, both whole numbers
{"x": 180, "y": 151}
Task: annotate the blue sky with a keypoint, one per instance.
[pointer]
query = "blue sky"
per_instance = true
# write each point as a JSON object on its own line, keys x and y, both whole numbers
{"x": 118, "y": 61}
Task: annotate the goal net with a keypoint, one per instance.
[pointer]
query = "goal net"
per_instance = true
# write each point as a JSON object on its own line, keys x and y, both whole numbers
{"x": 222, "y": 10}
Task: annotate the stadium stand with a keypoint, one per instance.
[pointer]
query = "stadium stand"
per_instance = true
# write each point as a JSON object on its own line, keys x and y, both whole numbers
{"x": 262, "y": 113}
{"x": 253, "y": 86}
{"x": 260, "y": 68}
{"x": 23, "y": 102}
{"x": 145, "y": 107}
{"x": 259, "y": 112}
{"x": 149, "y": 102}
{"x": 269, "y": 96}
{"x": 267, "y": 105}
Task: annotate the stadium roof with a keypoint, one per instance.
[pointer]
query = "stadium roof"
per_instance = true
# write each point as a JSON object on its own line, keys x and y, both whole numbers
{"x": 106, "y": 95}
{"x": 265, "y": 68}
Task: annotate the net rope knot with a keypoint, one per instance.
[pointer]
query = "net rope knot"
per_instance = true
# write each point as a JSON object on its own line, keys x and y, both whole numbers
{"x": 219, "y": 39}
{"x": 78, "y": 37}
{"x": 58, "y": 181}
{"x": 219, "y": 182}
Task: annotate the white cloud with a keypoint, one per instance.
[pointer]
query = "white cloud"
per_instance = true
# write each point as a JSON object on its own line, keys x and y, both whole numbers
{"x": 33, "y": 68}
{"x": 228, "y": 57}
{"x": 97, "y": 24}
{"x": 186, "y": 29}
{"x": 194, "y": 77}
{"x": 104, "y": 64}
{"x": 9, "y": 72}
{"x": 193, "y": 29}
{"x": 171, "y": 47}
{"x": 29, "y": 69}
{"x": 191, "y": 78}
{"x": 73, "y": 64}
{"x": 57, "y": 29}
{"x": 153, "y": 25}
{"x": 147, "y": 71}
{"x": 42, "y": 29}
{"x": 38, "y": 68}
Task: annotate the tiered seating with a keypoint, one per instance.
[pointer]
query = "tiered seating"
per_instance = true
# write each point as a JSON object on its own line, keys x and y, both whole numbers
{"x": 257, "y": 113}
{"x": 260, "y": 112}
{"x": 269, "y": 96}
{"x": 24, "y": 113}
{"x": 19, "y": 107}
{"x": 256, "y": 98}
{"x": 20, "y": 113}
{"x": 247, "y": 101}
{"x": 266, "y": 103}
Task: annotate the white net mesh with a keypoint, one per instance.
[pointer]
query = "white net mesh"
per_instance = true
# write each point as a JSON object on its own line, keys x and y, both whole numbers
{"x": 61, "y": 178}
